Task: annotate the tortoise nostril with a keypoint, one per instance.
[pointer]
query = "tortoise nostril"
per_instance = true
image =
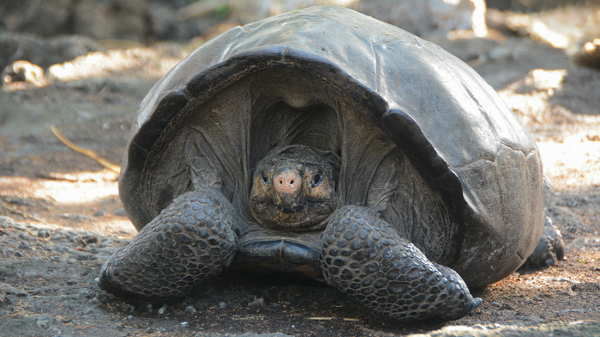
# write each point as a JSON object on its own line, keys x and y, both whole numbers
{"x": 288, "y": 182}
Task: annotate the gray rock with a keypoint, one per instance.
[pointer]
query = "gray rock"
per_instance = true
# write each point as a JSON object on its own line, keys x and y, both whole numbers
{"x": 44, "y": 18}
{"x": 43, "y": 52}
{"x": 111, "y": 19}
{"x": 10, "y": 290}
{"x": 75, "y": 217}
{"x": 45, "y": 321}
{"x": 572, "y": 329}
{"x": 85, "y": 292}
{"x": 258, "y": 302}
{"x": 423, "y": 18}
{"x": 127, "y": 307}
{"x": 4, "y": 300}
{"x": 190, "y": 310}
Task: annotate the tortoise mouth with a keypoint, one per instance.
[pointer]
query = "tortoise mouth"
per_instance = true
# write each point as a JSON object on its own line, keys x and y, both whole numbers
{"x": 308, "y": 216}
{"x": 288, "y": 209}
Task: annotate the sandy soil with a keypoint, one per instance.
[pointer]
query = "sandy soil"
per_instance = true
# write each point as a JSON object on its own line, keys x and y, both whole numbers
{"x": 62, "y": 216}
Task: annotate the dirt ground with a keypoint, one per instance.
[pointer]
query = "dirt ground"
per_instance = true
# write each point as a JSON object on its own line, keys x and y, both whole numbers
{"x": 62, "y": 217}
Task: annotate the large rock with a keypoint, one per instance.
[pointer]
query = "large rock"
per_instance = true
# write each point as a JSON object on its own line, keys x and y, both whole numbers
{"x": 43, "y": 18}
{"x": 531, "y": 5}
{"x": 112, "y": 19}
{"x": 429, "y": 18}
{"x": 421, "y": 17}
{"x": 100, "y": 19}
{"x": 150, "y": 20}
{"x": 43, "y": 52}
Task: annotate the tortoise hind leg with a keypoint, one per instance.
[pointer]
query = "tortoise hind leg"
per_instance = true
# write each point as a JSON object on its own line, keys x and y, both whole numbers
{"x": 367, "y": 259}
{"x": 549, "y": 250}
{"x": 189, "y": 241}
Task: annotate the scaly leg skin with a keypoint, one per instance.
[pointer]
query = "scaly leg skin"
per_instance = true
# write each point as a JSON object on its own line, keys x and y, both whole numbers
{"x": 367, "y": 259}
{"x": 549, "y": 250}
{"x": 191, "y": 240}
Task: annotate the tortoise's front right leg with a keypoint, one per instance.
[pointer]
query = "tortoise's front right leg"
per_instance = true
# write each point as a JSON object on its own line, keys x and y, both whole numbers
{"x": 363, "y": 256}
{"x": 191, "y": 240}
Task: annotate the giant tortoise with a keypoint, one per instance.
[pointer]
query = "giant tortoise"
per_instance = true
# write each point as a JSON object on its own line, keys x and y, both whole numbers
{"x": 327, "y": 143}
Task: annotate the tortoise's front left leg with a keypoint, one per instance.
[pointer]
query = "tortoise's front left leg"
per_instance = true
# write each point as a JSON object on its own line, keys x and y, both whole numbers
{"x": 191, "y": 240}
{"x": 363, "y": 256}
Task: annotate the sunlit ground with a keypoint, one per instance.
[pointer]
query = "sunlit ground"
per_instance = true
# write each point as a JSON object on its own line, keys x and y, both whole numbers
{"x": 571, "y": 158}
{"x": 85, "y": 205}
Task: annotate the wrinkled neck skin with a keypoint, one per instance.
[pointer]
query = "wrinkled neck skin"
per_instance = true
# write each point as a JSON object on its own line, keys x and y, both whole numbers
{"x": 294, "y": 189}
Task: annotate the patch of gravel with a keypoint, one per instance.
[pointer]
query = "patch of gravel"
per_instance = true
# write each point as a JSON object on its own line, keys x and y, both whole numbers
{"x": 38, "y": 241}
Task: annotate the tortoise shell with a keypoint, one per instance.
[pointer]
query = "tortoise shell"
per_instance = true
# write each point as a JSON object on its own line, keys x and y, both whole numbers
{"x": 339, "y": 81}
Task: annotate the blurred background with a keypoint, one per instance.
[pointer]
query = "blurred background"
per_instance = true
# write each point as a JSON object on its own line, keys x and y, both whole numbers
{"x": 71, "y": 28}
{"x": 84, "y": 66}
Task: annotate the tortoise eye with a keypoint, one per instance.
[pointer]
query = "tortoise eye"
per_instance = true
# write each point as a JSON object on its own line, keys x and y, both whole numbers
{"x": 265, "y": 179}
{"x": 316, "y": 179}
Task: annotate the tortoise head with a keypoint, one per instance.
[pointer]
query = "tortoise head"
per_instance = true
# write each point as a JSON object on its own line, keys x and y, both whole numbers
{"x": 294, "y": 189}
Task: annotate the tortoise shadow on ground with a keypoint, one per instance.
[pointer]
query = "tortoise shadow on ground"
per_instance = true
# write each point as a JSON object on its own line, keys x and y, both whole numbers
{"x": 242, "y": 301}
{"x": 579, "y": 91}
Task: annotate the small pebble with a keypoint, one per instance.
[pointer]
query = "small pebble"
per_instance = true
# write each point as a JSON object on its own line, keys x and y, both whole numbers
{"x": 222, "y": 305}
{"x": 4, "y": 300}
{"x": 44, "y": 321}
{"x": 162, "y": 310}
{"x": 84, "y": 292}
{"x": 127, "y": 307}
{"x": 260, "y": 302}
{"x": 190, "y": 310}
{"x": 120, "y": 212}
